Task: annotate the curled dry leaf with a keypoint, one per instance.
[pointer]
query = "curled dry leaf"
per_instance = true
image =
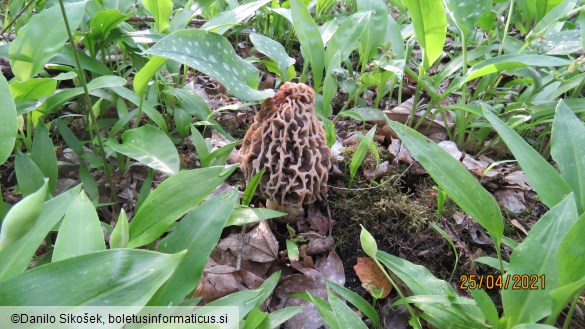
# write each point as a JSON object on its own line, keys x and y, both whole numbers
{"x": 371, "y": 276}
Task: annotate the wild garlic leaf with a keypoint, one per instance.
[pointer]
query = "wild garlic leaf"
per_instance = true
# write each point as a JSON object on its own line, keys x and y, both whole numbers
{"x": 213, "y": 55}
{"x": 274, "y": 50}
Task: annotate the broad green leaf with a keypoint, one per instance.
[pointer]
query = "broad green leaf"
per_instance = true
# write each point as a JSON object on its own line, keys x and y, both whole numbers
{"x": 486, "y": 305}
{"x": 173, "y": 198}
{"x": 310, "y": 39}
{"x": 368, "y": 243}
{"x": 101, "y": 25}
{"x": 567, "y": 141}
{"x": 548, "y": 184}
{"x": 467, "y": 12}
{"x": 430, "y": 28}
{"x": 422, "y": 282}
{"x": 323, "y": 307}
{"x": 225, "y": 20}
{"x": 34, "y": 47}
{"x": 32, "y": 89}
{"x": 213, "y": 55}
{"x": 80, "y": 232}
{"x": 14, "y": 259}
{"x": 150, "y": 146}
{"x": 562, "y": 9}
{"x": 255, "y": 318}
{"x": 278, "y": 317}
{"x": 456, "y": 63}
{"x": 146, "y": 73}
{"x": 344, "y": 315}
{"x": 581, "y": 20}
{"x": 544, "y": 239}
{"x": 161, "y": 10}
{"x": 356, "y": 300}
{"x": 28, "y": 175}
{"x": 9, "y": 126}
{"x": 324, "y": 5}
{"x": 508, "y": 62}
{"x": 22, "y": 217}
{"x": 69, "y": 137}
{"x": 533, "y": 326}
{"x": 347, "y": 37}
{"x": 244, "y": 215}
{"x": 52, "y": 103}
{"x": 66, "y": 57}
{"x": 375, "y": 31}
{"x": 275, "y": 51}
{"x": 197, "y": 233}
{"x": 535, "y": 10}
{"x": 453, "y": 178}
{"x": 120, "y": 234}
{"x": 43, "y": 154}
{"x": 570, "y": 263}
{"x": 89, "y": 184}
{"x": 103, "y": 278}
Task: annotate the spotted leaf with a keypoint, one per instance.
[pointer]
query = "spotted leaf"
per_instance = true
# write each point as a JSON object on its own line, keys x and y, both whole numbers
{"x": 213, "y": 55}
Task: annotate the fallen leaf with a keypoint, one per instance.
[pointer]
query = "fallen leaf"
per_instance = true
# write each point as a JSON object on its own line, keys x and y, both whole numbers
{"x": 371, "y": 276}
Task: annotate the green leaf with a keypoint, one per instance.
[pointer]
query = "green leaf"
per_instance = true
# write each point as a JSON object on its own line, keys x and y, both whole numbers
{"x": 101, "y": 25}
{"x": 251, "y": 187}
{"x": 150, "y": 146}
{"x": 508, "y": 62}
{"x": 453, "y": 178}
{"x": 52, "y": 103}
{"x": 32, "y": 89}
{"x": 147, "y": 107}
{"x": 244, "y": 215}
{"x": 9, "y": 126}
{"x": 66, "y": 57}
{"x": 310, "y": 39}
{"x": 467, "y": 12}
{"x": 28, "y": 175}
{"x": 548, "y": 184}
{"x": 80, "y": 232}
{"x": 430, "y": 28}
{"x": 120, "y": 234}
{"x": 570, "y": 264}
{"x": 103, "y": 278}
{"x": 34, "y": 47}
{"x": 347, "y": 37}
{"x": 360, "y": 153}
{"x": 486, "y": 305}
{"x": 174, "y": 197}
{"x": 344, "y": 315}
{"x": 330, "y": 85}
{"x": 146, "y": 73}
{"x": 567, "y": 141}
{"x": 161, "y": 10}
{"x": 324, "y": 309}
{"x": 225, "y": 20}
{"x": 22, "y": 217}
{"x": 43, "y": 154}
{"x": 255, "y": 318}
{"x": 458, "y": 314}
{"x": 274, "y": 51}
{"x": 278, "y": 317}
{"x": 544, "y": 239}
{"x": 356, "y": 300}
{"x": 368, "y": 242}
{"x": 14, "y": 259}
{"x": 197, "y": 233}
{"x": 375, "y": 31}
{"x": 213, "y": 55}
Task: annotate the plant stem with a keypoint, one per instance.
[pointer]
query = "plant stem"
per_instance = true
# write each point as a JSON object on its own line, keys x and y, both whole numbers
{"x": 87, "y": 105}
{"x": 507, "y": 27}
{"x": 571, "y": 311}
{"x": 421, "y": 74}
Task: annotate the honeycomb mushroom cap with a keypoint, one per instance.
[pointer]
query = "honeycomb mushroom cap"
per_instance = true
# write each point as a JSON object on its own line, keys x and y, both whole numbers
{"x": 288, "y": 140}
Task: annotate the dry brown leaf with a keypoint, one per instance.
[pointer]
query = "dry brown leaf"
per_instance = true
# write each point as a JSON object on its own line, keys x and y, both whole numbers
{"x": 371, "y": 276}
{"x": 259, "y": 244}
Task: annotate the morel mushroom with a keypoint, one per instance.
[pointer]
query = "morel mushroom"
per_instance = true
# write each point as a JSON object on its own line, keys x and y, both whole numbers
{"x": 287, "y": 139}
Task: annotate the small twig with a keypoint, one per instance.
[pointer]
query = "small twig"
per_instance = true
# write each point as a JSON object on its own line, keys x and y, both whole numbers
{"x": 16, "y": 17}
{"x": 240, "y": 248}
{"x": 149, "y": 19}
